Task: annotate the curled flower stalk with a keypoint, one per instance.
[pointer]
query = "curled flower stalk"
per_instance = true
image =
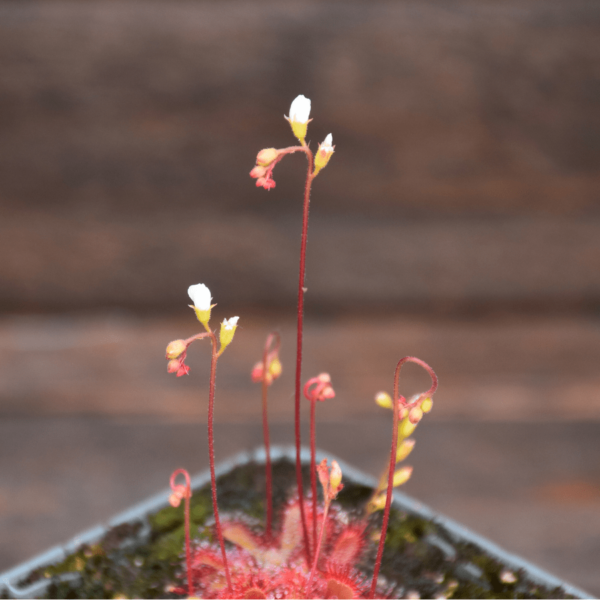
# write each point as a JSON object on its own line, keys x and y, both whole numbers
{"x": 266, "y": 161}
{"x": 265, "y": 372}
{"x": 185, "y": 492}
{"x": 176, "y": 351}
{"x": 399, "y": 405}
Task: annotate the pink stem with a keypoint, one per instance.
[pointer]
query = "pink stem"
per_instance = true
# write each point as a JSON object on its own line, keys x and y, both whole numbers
{"x": 211, "y": 454}
{"x": 313, "y": 469}
{"x": 309, "y": 179}
{"x": 388, "y": 499}
{"x": 268, "y": 469}
{"x": 186, "y": 517}
{"x": 318, "y": 546}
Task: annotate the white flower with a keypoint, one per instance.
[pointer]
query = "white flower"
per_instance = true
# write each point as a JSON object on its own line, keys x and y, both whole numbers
{"x": 230, "y": 324}
{"x": 200, "y": 296}
{"x": 300, "y": 110}
{"x": 326, "y": 144}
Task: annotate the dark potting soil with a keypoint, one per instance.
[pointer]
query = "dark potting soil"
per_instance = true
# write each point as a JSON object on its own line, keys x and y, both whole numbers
{"x": 145, "y": 560}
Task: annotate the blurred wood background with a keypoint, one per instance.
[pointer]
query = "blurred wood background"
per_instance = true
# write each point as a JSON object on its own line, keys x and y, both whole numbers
{"x": 459, "y": 220}
{"x": 466, "y": 169}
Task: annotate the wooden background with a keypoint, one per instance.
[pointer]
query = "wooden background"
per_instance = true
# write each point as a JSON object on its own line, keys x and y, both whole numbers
{"x": 458, "y": 221}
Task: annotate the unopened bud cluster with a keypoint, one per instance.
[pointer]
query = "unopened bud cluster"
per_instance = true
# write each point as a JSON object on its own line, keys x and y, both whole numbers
{"x": 177, "y": 349}
{"x": 267, "y": 158}
{"x": 330, "y": 479}
{"x": 273, "y": 370}
{"x": 410, "y": 414}
{"x": 319, "y": 388}
{"x": 178, "y": 494}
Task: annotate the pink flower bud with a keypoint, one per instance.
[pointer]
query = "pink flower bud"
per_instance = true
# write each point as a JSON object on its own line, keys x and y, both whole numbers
{"x": 319, "y": 388}
{"x": 257, "y": 372}
{"x": 183, "y": 370}
{"x": 323, "y": 472}
{"x": 258, "y": 172}
{"x": 173, "y": 365}
{"x": 265, "y": 182}
{"x": 179, "y": 492}
{"x": 415, "y": 415}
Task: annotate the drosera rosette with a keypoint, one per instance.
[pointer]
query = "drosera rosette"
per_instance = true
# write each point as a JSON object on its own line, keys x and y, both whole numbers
{"x": 274, "y": 566}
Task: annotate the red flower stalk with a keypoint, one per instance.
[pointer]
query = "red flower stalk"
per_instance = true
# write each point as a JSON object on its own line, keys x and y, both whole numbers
{"x": 179, "y": 492}
{"x": 266, "y": 161}
{"x": 176, "y": 351}
{"x": 266, "y": 372}
{"x": 331, "y": 480}
{"x": 317, "y": 389}
{"x": 398, "y": 403}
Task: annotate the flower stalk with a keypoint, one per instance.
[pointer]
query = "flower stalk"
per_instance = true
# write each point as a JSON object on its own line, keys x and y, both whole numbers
{"x": 266, "y": 372}
{"x": 176, "y": 353}
{"x": 179, "y": 492}
{"x": 399, "y": 402}
{"x": 331, "y": 480}
{"x": 266, "y": 161}
{"x": 317, "y": 389}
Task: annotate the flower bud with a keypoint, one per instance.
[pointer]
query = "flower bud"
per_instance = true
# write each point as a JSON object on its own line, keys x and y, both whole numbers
{"x": 335, "y": 477}
{"x": 179, "y": 492}
{"x": 402, "y": 476}
{"x": 275, "y": 368}
{"x": 406, "y": 428}
{"x": 228, "y": 328}
{"x": 176, "y": 348}
{"x": 404, "y": 449}
{"x": 323, "y": 473}
{"x": 299, "y": 113}
{"x": 427, "y": 405}
{"x": 183, "y": 370}
{"x": 415, "y": 415}
{"x": 265, "y": 157}
{"x": 384, "y": 400}
{"x": 323, "y": 154}
{"x": 377, "y": 503}
{"x": 258, "y": 172}
{"x": 265, "y": 182}
{"x": 173, "y": 365}
{"x": 257, "y": 372}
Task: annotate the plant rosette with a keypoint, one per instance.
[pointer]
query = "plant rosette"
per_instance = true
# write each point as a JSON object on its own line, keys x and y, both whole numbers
{"x": 139, "y": 553}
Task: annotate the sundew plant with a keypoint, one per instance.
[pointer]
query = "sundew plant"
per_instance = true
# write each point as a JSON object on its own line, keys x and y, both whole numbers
{"x": 317, "y": 550}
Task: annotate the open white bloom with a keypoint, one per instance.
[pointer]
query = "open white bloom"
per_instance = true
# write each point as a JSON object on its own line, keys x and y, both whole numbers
{"x": 200, "y": 296}
{"x": 300, "y": 109}
{"x": 229, "y": 324}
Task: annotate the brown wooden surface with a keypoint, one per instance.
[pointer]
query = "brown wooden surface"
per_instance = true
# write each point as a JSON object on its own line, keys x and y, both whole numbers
{"x": 90, "y": 421}
{"x": 465, "y": 174}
